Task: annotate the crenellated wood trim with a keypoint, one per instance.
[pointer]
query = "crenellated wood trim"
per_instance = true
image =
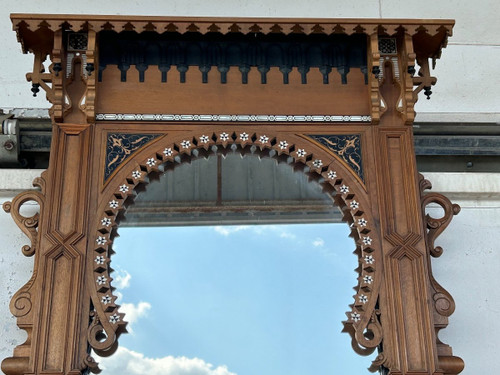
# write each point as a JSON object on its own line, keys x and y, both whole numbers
{"x": 389, "y": 26}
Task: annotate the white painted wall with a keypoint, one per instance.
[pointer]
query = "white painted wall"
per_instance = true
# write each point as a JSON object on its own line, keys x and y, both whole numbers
{"x": 468, "y": 268}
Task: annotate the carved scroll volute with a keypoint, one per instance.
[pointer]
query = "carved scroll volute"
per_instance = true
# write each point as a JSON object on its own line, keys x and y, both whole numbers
{"x": 373, "y": 78}
{"x": 443, "y": 302}
{"x": 20, "y": 305}
{"x": 435, "y": 226}
{"x": 28, "y": 225}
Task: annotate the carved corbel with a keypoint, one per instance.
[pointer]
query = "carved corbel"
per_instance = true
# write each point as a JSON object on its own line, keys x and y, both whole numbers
{"x": 70, "y": 84}
{"x": 443, "y": 302}
{"x": 390, "y": 74}
{"x": 79, "y": 81}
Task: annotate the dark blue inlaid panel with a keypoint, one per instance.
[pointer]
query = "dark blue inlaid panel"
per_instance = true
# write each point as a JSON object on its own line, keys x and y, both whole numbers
{"x": 347, "y": 147}
{"x": 120, "y": 146}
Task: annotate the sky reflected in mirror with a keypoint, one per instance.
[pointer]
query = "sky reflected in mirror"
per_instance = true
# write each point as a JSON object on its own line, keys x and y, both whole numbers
{"x": 225, "y": 300}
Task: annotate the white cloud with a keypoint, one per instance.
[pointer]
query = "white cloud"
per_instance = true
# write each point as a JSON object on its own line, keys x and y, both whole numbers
{"x": 256, "y": 229}
{"x": 122, "y": 279}
{"x": 227, "y": 230}
{"x": 126, "y": 361}
{"x": 134, "y": 312}
{"x": 288, "y": 235}
{"x": 319, "y": 242}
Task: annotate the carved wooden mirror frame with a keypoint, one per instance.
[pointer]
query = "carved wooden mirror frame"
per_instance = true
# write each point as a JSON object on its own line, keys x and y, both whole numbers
{"x": 114, "y": 127}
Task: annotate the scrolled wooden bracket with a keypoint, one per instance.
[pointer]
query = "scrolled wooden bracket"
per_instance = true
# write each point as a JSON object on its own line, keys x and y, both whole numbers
{"x": 29, "y": 225}
{"x": 101, "y": 337}
{"x": 435, "y": 226}
{"x": 57, "y": 81}
{"x": 443, "y": 302}
{"x": 21, "y": 303}
{"x": 366, "y": 337}
{"x": 424, "y": 80}
{"x": 39, "y": 78}
{"x": 104, "y": 342}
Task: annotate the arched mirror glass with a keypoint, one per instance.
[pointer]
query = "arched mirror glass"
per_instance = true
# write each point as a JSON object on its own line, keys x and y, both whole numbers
{"x": 234, "y": 265}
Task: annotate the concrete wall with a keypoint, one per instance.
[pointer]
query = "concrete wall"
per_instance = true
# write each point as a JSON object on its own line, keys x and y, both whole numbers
{"x": 467, "y": 269}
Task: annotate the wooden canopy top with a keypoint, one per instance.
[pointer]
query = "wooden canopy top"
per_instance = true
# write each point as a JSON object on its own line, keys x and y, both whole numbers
{"x": 432, "y": 33}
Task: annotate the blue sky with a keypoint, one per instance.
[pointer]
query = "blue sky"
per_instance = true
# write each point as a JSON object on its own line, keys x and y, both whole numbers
{"x": 246, "y": 300}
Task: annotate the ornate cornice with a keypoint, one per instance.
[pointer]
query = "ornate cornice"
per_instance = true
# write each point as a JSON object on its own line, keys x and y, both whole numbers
{"x": 436, "y": 31}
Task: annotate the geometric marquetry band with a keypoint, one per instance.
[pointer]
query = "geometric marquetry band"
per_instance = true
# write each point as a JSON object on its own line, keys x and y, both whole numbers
{"x": 229, "y": 118}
